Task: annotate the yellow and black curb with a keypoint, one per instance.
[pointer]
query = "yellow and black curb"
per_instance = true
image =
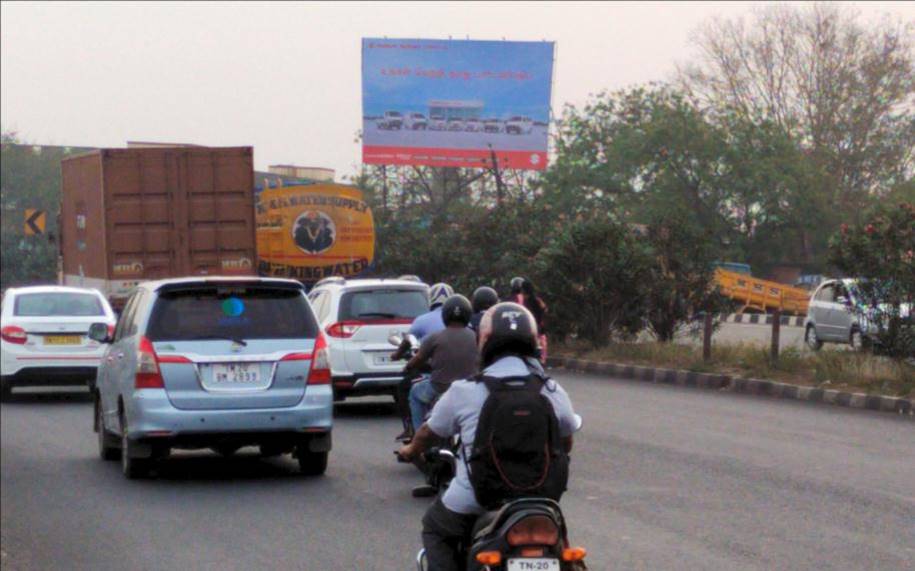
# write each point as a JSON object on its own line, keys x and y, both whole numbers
{"x": 761, "y": 387}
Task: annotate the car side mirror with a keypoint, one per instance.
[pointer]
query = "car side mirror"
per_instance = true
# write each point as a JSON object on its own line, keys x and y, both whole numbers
{"x": 99, "y": 332}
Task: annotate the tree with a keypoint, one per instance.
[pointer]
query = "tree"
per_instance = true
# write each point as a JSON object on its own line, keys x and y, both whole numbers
{"x": 881, "y": 253}
{"x": 842, "y": 92}
{"x": 593, "y": 271}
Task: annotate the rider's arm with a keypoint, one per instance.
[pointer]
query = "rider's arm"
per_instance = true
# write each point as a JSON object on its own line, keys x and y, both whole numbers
{"x": 419, "y": 444}
{"x": 422, "y": 356}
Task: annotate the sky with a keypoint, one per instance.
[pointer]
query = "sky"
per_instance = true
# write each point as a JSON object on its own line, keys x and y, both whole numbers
{"x": 285, "y": 77}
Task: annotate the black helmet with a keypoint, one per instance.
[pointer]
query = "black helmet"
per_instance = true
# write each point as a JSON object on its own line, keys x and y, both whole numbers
{"x": 507, "y": 329}
{"x": 456, "y": 309}
{"x": 484, "y": 298}
{"x": 516, "y": 284}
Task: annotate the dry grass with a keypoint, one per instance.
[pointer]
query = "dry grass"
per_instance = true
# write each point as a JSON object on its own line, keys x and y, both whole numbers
{"x": 833, "y": 369}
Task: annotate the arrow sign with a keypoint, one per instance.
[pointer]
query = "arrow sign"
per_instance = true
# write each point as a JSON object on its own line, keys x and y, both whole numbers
{"x": 34, "y": 222}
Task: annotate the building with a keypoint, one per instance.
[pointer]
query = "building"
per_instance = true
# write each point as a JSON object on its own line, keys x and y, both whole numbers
{"x": 469, "y": 109}
{"x": 318, "y": 174}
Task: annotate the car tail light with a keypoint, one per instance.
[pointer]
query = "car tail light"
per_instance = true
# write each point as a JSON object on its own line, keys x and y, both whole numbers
{"x": 14, "y": 334}
{"x": 533, "y": 530}
{"x": 148, "y": 374}
{"x": 320, "y": 363}
{"x": 296, "y": 357}
{"x": 111, "y": 329}
{"x": 344, "y": 329}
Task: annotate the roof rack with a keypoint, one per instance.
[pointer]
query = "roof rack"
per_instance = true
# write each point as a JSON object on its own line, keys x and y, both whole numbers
{"x": 331, "y": 280}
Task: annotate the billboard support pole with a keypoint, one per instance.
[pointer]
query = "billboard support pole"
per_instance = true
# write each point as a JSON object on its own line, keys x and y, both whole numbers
{"x": 500, "y": 192}
{"x": 384, "y": 187}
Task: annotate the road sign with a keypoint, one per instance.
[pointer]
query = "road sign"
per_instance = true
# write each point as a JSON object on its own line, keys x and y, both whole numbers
{"x": 35, "y": 221}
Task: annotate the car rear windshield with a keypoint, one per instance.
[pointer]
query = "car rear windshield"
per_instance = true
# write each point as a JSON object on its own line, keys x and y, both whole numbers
{"x": 383, "y": 304}
{"x": 58, "y": 304}
{"x": 231, "y": 312}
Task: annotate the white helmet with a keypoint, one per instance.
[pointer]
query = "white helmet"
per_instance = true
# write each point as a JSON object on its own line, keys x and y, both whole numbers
{"x": 438, "y": 294}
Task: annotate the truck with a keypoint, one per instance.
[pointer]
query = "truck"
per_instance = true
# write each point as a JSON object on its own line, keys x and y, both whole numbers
{"x": 130, "y": 215}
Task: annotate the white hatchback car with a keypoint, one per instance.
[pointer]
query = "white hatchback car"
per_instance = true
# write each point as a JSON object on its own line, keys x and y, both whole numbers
{"x": 358, "y": 316}
{"x": 44, "y": 331}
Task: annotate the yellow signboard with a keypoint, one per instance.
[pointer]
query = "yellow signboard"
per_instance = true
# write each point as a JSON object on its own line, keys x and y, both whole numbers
{"x": 314, "y": 231}
{"x": 35, "y": 222}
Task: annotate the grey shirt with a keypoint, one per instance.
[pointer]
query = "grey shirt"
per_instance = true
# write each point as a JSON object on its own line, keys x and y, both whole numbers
{"x": 452, "y": 355}
{"x": 458, "y": 411}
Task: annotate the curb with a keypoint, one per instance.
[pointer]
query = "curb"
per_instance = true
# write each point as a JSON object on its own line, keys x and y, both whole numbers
{"x": 760, "y": 319}
{"x": 761, "y": 387}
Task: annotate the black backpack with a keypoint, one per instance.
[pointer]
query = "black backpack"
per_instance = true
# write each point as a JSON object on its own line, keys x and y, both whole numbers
{"x": 517, "y": 450}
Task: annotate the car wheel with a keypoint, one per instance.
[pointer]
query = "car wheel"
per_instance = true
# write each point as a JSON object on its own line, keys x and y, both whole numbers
{"x": 858, "y": 341}
{"x": 810, "y": 337}
{"x": 108, "y": 445}
{"x": 133, "y": 468}
{"x": 311, "y": 463}
{"x": 6, "y": 390}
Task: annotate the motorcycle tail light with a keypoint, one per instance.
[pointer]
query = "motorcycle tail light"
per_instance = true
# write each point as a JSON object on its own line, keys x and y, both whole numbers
{"x": 489, "y": 558}
{"x": 573, "y": 553}
{"x": 533, "y": 530}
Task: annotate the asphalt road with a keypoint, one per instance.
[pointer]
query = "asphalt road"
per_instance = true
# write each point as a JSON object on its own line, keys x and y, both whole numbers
{"x": 662, "y": 478}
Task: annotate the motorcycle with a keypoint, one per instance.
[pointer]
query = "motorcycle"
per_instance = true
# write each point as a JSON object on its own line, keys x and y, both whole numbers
{"x": 525, "y": 534}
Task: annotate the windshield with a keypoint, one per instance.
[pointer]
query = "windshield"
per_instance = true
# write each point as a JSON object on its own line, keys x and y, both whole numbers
{"x": 383, "y": 304}
{"x": 231, "y": 312}
{"x": 58, "y": 304}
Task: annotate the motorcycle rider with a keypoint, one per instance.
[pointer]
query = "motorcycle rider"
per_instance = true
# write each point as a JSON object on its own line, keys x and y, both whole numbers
{"x": 508, "y": 347}
{"x": 451, "y": 354}
{"x": 423, "y": 325}
{"x": 430, "y": 322}
{"x": 483, "y": 298}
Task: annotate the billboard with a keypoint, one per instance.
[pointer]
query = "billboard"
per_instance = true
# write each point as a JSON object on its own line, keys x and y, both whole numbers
{"x": 315, "y": 231}
{"x": 455, "y": 102}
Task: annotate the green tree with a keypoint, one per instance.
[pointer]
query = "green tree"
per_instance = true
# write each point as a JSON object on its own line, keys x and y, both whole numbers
{"x": 880, "y": 252}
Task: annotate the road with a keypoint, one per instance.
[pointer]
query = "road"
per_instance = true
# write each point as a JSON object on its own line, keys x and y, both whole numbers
{"x": 662, "y": 478}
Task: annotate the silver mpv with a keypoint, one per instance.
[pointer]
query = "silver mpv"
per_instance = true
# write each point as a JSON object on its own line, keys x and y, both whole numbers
{"x": 216, "y": 363}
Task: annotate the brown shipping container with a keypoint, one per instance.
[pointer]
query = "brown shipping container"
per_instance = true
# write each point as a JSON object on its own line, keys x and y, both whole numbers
{"x": 129, "y": 215}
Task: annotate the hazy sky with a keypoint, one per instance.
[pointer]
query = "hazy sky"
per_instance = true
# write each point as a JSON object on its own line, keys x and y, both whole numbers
{"x": 285, "y": 77}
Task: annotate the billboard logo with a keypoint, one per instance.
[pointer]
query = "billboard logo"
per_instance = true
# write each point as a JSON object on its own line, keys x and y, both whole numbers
{"x": 314, "y": 232}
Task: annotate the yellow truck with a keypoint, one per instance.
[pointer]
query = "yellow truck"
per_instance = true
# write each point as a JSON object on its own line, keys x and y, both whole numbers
{"x": 758, "y": 295}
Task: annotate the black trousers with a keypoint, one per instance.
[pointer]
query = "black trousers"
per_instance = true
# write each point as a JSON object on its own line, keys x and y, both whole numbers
{"x": 444, "y": 536}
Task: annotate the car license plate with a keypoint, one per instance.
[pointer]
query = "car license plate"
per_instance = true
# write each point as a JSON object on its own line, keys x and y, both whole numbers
{"x": 533, "y": 564}
{"x": 62, "y": 339}
{"x": 236, "y": 373}
{"x": 383, "y": 359}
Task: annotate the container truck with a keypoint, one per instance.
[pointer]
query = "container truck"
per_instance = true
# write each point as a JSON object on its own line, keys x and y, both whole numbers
{"x": 129, "y": 215}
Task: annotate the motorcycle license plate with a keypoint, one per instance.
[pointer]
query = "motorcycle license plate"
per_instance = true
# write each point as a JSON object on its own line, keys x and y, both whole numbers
{"x": 236, "y": 373}
{"x": 533, "y": 564}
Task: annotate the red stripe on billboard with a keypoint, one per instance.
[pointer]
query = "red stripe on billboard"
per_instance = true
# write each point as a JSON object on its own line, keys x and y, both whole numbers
{"x": 435, "y": 157}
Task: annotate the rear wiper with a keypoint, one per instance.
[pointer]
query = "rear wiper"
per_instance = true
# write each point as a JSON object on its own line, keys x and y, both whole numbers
{"x": 237, "y": 340}
{"x": 377, "y": 314}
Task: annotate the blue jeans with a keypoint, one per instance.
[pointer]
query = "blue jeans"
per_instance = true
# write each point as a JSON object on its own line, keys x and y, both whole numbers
{"x": 422, "y": 395}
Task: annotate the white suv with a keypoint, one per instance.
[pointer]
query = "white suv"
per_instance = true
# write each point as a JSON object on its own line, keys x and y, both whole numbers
{"x": 357, "y": 317}
{"x": 45, "y": 342}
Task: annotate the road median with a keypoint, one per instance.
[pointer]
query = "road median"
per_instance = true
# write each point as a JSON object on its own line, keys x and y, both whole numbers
{"x": 751, "y": 386}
